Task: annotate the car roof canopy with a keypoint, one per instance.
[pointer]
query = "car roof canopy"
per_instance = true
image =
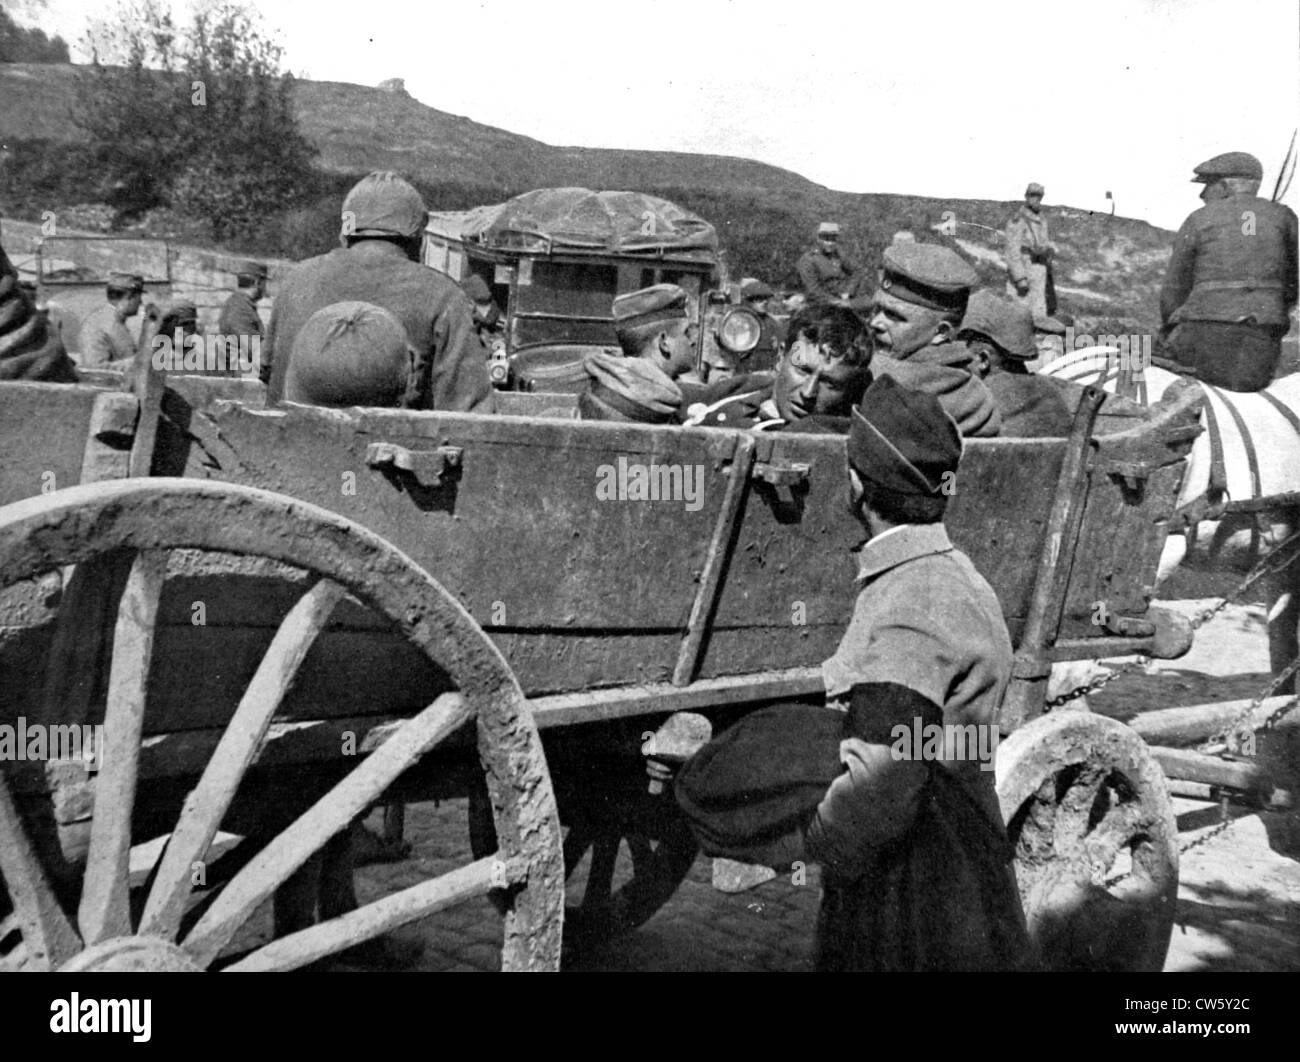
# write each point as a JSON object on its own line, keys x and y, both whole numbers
{"x": 580, "y": 221}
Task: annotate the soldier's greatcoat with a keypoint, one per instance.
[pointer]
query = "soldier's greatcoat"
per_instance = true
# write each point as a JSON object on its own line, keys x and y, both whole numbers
{"x": 917, "y": 868}
{"x": 105, "y": 339}
{"x": 239, "y": 316}
{"x": 825, "y": 277}
{"x": 1026, "y": 248}
{"x": 450, "y": 370}
{"x": 944, "y": 370}
{"x": 1031, "y": 406}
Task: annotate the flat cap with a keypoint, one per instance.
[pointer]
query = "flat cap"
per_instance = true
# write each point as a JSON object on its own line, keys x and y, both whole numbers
{"x": 126, "y": 281}
{"x": 902, "y": 442}
{"x": 476, "y": 288}
{"x": 1034, "y": 188}
{"x": 828, "y": 228}
{"x": 1229, "y": 164}
{"x": 660, "y": 302}
{"x": 383, "y": 204}
{"x": 753, "y": 288}
{"x": 1008, "y": 324}
{"x": 927, "y": 274}
{"x": 628, "y": 389}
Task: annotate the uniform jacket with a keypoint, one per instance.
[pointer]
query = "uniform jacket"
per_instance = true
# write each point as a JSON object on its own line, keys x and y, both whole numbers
{"x": 918, "y": 872}
{"x": 824, "y": 277}
{"x": 945, "y": 371}
{"x": 1025, "y": 242}
{"x": 746, "y": 402}
{"x": 1223, "y": 271}
{"x": 239, "y": 316}
{"x": 451, "y": 365}
{"x": 30, "y": 347}
{"x": 1031, "y": 406}
{"x": 105, "y": 339}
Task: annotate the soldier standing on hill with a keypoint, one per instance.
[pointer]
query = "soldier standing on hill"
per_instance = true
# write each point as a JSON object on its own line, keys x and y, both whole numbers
{"x": 826, "y": 276}
{"x": 1232, "y": 279}
{"x": 1029, "y": 253}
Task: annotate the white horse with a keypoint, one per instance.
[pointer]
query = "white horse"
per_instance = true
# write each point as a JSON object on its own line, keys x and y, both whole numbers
{"x": 1248, "y": 457}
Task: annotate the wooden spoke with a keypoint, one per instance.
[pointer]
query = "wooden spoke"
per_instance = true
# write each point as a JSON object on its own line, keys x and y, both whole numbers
{"x": 401, "y": 908}
{"x": 209, "y": 801}
{"x": 1074, "y": 807}
{"x": 105, "y": 907}
{"x": 48, "y": 936}
{"x": 327, "y": 817}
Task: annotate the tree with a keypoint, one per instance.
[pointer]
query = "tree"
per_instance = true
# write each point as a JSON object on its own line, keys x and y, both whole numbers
{"x": 200, "y": 120}
{"x": 23, "y": 45}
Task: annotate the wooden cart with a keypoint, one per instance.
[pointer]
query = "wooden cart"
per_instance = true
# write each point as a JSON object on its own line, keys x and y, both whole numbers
{"x": 282, "y": 616}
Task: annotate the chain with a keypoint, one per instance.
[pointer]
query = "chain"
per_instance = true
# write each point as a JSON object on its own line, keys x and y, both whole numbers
{"x": 1267, "y": 565}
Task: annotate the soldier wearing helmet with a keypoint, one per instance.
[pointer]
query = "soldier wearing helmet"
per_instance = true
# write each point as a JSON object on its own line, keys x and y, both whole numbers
{"x": 1231, "y": 281}
{"x": 383, "y": 223}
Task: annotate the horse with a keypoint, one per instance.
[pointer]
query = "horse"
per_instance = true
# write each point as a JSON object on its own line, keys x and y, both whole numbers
{"x": 1246, "y": 460}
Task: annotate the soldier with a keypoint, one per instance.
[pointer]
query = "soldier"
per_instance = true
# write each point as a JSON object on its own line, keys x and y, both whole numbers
{"x": 29, "y": 348}
{"x": 628, "y": 389}
{"x": 826, "y": 276}
{"x": 105, "y": 339}
{"x": 1000, "y": 334}
{"x": 917, "y": 868}
{"x": 821, "y": 375}
{"x": 771, "y": 340}
{"x": 239, "y": 316}
{"x": 488, "y": 323}
{"x": 654, "y": 323}
{"x": 1231, "y": 280}
{"x": 1028, "y": 253}
{"x": 916, "y": 311}
{"x": 383, "y": 226}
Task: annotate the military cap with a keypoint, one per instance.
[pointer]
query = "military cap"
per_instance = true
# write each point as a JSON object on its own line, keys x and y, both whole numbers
{"x": 249, "y": 268}
{"x": 628, "y": 389}
{"x": 181, "y": 310}
{"x": 1034, "y": 188}
{"x": 753, "y": 288}
{"x": 902, "y": 443}
{"x": 349, "y": 353}
{"x": 927, "y": 274}
{"x": 383, "y": 204}
{"x": 828, "y": 228}
{"x": 660, "y": 302}
{"x": 1229, "y": 164}
{"x": 476, "y": 288}
{"x": 1008, "y": 324}
{"x": 125, "y": 281}
{"x": 1049, "y": 325}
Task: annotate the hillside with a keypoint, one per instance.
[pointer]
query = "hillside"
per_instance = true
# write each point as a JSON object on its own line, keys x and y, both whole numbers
{"x": 1109, "y": 266}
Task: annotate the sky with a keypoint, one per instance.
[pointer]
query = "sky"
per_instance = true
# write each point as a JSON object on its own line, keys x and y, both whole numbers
{"x": 945, "y": 99}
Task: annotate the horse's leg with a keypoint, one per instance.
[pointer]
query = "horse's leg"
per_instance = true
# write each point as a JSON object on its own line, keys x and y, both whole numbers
{"x": 1282, "y": 592}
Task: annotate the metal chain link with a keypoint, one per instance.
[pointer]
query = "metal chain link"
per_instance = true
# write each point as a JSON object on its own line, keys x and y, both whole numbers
{"x": 1269, "y": 564}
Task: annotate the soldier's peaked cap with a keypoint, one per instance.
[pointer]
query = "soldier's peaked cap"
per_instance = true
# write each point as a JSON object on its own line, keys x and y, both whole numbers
{"x": 125, "y": 281}
{"x": 632, "y": 389}
{"x": 828, "y": 228}
{"x": 902, "y": 441}
{"x": 1034, "y": 188}
{"x": 753, "y": 288}
{"x": 251, "y": 268}
{"x": 383, "y": 204}
{"x": 1229, "y": 164}
{"x": 1009, "y": 324}
{"x": 660, "y": 302}
{"x": 927, "y": 274}
{"x": 476, "y": 288}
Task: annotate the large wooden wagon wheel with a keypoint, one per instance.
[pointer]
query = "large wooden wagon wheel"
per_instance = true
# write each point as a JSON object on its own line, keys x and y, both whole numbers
{"x": 1089, "y": 817}
{"x": 149, "y": 517}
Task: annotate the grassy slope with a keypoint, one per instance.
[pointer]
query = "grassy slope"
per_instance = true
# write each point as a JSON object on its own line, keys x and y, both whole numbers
{"x": 763, "y": 213}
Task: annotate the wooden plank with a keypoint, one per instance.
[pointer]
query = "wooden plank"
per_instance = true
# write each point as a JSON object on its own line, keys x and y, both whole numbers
{"x": 715, "y": 561}
{"x": 105, "y": 909}
{"x": 1188, "y": 766}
